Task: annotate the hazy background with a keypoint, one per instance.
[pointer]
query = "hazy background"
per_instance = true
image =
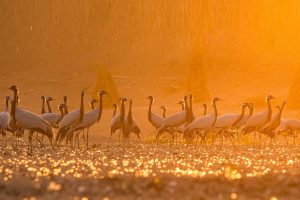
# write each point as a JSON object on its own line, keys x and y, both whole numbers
{"x": 237, "y": 50}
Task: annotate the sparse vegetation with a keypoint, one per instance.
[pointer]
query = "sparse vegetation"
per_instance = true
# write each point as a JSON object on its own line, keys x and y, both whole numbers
{"x": 105, "y": 82}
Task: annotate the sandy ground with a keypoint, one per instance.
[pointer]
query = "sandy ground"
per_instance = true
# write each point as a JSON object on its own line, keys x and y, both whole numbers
{"x": 146, "y": 171}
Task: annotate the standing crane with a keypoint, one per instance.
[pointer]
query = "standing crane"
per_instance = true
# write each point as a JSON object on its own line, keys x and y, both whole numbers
{"x": 259, "y": 120}
{"x": 90, "y": 118}
{"x": 70, "y": 121}
{"x": 29, "y": 120}
{"x": 204, "y": 123}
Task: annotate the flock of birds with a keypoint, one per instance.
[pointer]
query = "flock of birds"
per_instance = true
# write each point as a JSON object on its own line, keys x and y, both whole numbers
{"x": 210, "y": 125}
{"x": 229, "y": 126}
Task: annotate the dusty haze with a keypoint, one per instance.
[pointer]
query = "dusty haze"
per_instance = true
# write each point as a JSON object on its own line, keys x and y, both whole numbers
{"x": 237, "y": 50}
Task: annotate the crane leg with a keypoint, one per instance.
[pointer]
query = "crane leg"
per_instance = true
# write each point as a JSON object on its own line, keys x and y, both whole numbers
{"x": 157, "y": 136}
{"x": 172, "y": 135}
{"x": 203, "y": 138}
{"x": 294, "y": 135}
{"x": 83, "y": 137}
{"x": 2, "y": 133}
{"x": 119, "y": 137}
{"x": 72, "y": 142}
{"x": 275, "y": 140}
{"x": 5, "y": 138}
{"x": 266, "y": 141}
{"x": 230, "y": 138}
{"x": 42, "y": 142}
{"x": 87, "y": 138}
{"x": 222, "y": 139}
{"x": 214, "y": 137}
{"x": 259, "y": 135}
{"x": 30, "y": 142}
{"x": 77, "y": 139}
{"x": 110, "y": 136}
{"x": 51, "y": 142}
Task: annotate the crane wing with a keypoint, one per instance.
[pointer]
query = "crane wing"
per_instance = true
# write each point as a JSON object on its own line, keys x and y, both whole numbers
{"x": 176, "y": 119}
{"x": 156, "y": 120}
{"x": 89, "y": 119}
{"x": 30, "y": 120}
{"x": 4, "y": 120}
{"x": 202, "y": 122}
{"x": 69, "y": 118}
{"x": 292, "y": 123}
{"x": 258, "y": 119}
{"x": 51, "y": 118}
{"x": 226, "y": 120}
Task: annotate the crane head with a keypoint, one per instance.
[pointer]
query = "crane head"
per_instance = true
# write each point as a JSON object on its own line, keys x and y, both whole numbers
{"x": 180, "y": 102}
{"x": 269, "y": 97}
{"x": 65, "y": 99}
{"x": 60, "y": 106}
{"x": 204, "y": 105}
{"x": 49, "y": 99}
{"x": 7, "y": 98}
{"x": 82, "y": 93}
{"x": 93, "y": 101}
{"x": 102, "y": 92}
{"x": 115, "y": 105}
{"x": 150, "y": 97}
{"x": 216, "y": 99}
{"x": 163, "y": 107}
{"x": 244, "y": 105}
{"x": 123, "y": 99}
{"x": 251, "y": 106}
{"x": 14, "y": 88}
{"x": 43, "y": 97}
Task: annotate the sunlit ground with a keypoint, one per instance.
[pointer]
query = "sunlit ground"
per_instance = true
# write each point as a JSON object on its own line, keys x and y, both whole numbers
{"x": 151, "y": 171}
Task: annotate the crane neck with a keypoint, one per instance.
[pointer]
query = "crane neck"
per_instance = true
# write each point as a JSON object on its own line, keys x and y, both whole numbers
{"x": 280, "y": 111}
{"x": 14, "y": 105}
{"x": 81, "y": 110}
{"x": 191, "y": 117}
{"x": 204, "y": 111}
{"x": 187, "y": 110}
{"x": 240, "y": 117}
{"x": 6, "y": 104}
{"x": 122, "y": 111}
{"x": 115, "y": 111}
{"x": 92, "y": 105}
{"x": 49, "y": 107}
{"x": 150, "y": 110}
{"x": 182, "y": 107}
{"x": 43, "y": 106}
{"x": 130, "y": 112}
{"x": 61, "y": 111}
{"x": 269, "y": 111}
{"x": 164, "y": 113}
{"x": 66, "y": 106}
{"x": 61, "y": 115}
{"x": 100, "y": 107}
{"x": 66, "y": 109}
{"x": 251, "y": 112}
{"x": 215, "y": 113}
